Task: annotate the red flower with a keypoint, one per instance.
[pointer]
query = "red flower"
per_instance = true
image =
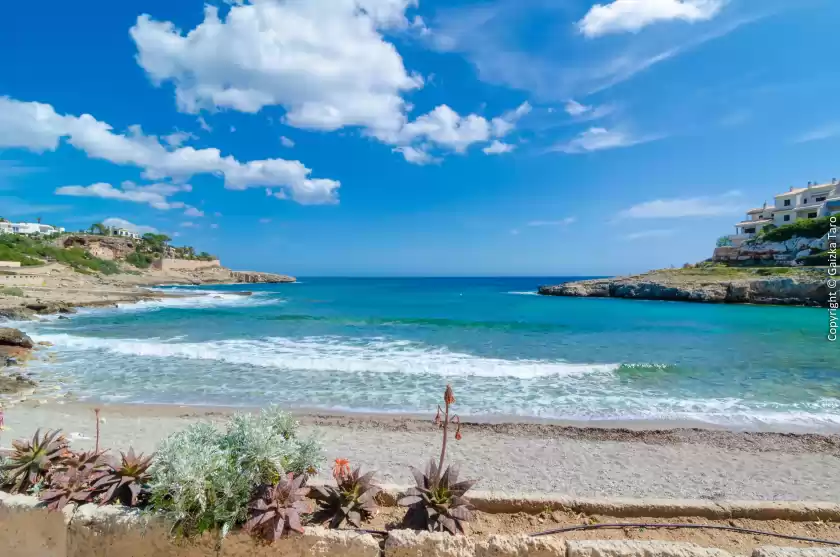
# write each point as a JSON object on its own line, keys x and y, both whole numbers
{"x": 437, "y": 416}
{"x": 341, "y": 468}
{"x": 449, "y": 396}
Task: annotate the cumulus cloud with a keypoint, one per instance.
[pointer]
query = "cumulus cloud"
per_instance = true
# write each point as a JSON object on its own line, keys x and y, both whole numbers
{"x": 114, "y": 222}
{"x": 574, "y": 108}
{"x": 37, "y": 126}
{"x": 416, "y": 155}
{"x": 597, "y": 139}
{"x": 154, "y": 195}
{"x": 178, "y": 138}
{"x": 704, "y": 206}
{"x": 621, "y": 16}
{"x": 498, "y": 148}
{"x": 326, "y": 62}
{"x": 286, "y": 142}
{"x": 193, "y": 212}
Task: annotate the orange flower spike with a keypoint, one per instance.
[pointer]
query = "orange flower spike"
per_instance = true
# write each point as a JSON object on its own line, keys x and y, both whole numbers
{"x": 341, "y": 468}
{"x": 449, "y": 396}
{"x": 457, "y": 420}
{"x": 437, "y": 417}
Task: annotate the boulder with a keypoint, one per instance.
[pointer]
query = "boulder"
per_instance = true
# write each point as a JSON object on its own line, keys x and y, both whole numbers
{"x": 13, "y": 337}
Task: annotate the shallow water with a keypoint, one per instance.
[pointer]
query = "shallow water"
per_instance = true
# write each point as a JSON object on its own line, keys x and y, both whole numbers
{"x": 389, "y": 345}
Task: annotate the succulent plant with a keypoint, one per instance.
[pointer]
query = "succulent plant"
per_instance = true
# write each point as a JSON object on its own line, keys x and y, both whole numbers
{"x": 70, "y": 480}
{"x": 437, "y": 503}
{"x": 31, "y": 461}
{"x": 352, "y": 501}
{"x": 124, "y": 480}
{"x": 275, "y": 509}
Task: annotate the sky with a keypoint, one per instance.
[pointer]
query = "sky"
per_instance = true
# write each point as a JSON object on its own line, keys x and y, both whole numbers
{"x": 418, "y": 138}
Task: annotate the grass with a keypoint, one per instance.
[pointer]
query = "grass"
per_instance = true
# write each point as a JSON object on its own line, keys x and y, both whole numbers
{"x": 802, "y": 228}
{"x": 11, "y": 291}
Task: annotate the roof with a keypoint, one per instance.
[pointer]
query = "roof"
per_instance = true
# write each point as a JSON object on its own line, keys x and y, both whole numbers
{"x": 754, "y": 222}
{"x": 758, "y": 210}
{"x": 800, "y": 190}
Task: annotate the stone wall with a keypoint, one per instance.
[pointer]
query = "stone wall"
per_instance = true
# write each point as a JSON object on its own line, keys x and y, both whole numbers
{"x": 184, "y": 264}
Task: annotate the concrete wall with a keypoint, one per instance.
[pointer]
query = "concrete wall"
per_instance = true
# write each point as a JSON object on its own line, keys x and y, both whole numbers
{"x": 9, "y": 263}
{"x": 184, "y": 264}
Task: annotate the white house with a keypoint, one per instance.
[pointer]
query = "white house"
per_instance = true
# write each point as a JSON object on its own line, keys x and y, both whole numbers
{"x": 810, "y": 202}
{"x": 28, "y": 228}
{"x": 126, "y": 233}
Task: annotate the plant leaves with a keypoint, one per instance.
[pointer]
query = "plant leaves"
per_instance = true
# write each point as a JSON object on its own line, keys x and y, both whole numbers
{"x": 409, "y": 500}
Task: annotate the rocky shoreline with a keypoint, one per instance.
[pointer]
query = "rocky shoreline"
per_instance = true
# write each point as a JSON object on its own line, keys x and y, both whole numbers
{"x": 735, "y": 286}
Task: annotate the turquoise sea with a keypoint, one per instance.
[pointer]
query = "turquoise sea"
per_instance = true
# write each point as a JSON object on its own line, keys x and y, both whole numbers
{"x": 390, "y": 345}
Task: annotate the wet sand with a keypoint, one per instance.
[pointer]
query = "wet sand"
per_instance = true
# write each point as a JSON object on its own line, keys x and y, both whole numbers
{"x": 510, "y": 457}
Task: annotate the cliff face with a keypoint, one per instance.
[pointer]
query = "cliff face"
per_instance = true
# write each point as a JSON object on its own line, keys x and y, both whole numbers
{"x": 803, "y": 288}
{"x": 255, "y": 277}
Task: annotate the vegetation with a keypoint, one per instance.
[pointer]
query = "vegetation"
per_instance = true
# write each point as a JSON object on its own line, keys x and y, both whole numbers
{"x": 34, "y": 251}
{"x": 723, "y": 242}
{"x": 203, "y": 479}
{"x": 31, "y": 461}
{"x": 803, "y": 228}
{"x": 352, "y": 500}
{"x": 275, "y": 509}
{"x": 816, "y": 259}
{"x": 10, "y": 291}
{"x": 437, "y": 502}
{"x": 125, "y": 481}
{"x": 71, "y": 480}
{"x": 139, "y": 260}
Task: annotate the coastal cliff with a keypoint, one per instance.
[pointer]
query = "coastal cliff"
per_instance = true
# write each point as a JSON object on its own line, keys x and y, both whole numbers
{"x": 779, "y": 286}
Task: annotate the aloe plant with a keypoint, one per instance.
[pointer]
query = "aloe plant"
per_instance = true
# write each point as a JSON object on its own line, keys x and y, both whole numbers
{"x": 31, "y": 461}
{"x": 352, "y": 500}
{"x": 70, "y": 481}
{"x": 125, "y": 481}
{"x": 275, "y": 509}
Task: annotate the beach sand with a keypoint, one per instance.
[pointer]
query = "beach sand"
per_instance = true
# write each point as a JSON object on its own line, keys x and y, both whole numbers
{"x": 509, "y": 457}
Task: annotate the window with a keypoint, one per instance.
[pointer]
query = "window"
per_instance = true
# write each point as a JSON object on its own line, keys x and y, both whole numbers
{"x": 749, "y": 231}
{"x": 787, "y": 202}
{"x": 820, "y": 199}
{"x": 787, "y": 217}
{"x": 812, "y": 215}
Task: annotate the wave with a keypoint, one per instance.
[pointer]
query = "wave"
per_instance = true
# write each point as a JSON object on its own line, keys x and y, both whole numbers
{"x": 332, "y": 354}
{"x": 527, "y": 293}
{"x": 437, "y": 322}
{"x": 196, "y": 299}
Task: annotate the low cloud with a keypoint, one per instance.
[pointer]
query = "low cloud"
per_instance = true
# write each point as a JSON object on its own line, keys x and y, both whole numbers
{"x": 705, "y": 206}
{"x": 115, "y": 222}
{"x": 631, "y": 16}
{"x": 598, "y": 139}
{"x": 498, "y": 148}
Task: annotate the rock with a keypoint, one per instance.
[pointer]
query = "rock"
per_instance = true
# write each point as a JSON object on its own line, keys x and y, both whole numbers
{"x": 14, "y": 337}
{"x": 63, "y": 317}
{"x": 17, "y": 314}
{"x": 803, "y": 253}
{"x": 250, "y": 277}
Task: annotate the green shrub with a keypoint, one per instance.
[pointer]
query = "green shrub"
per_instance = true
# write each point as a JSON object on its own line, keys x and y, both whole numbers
{"x": 803, "y": 228}
{"x": 10, "y": 291}
{"x": 723, "y": 242}
{"x": 816, "y": 259}
{"x": 15, "y": 247}
{"x": 203, "y": 478}
{"x": 139, "y": 260}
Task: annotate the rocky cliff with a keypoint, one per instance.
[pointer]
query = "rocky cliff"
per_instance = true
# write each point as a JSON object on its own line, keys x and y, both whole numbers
{"x": 741, "y": 286}
{"x": 255, "y": 277}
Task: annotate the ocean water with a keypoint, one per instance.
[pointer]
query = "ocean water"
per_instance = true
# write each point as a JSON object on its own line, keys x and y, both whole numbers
{"x": 390, "y": 345}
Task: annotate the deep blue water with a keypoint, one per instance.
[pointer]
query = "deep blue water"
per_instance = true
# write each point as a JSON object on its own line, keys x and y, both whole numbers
{"x": 392, "y": 344}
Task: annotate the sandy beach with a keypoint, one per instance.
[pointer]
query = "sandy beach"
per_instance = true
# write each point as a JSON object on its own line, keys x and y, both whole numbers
{"x": 684, "y": 463}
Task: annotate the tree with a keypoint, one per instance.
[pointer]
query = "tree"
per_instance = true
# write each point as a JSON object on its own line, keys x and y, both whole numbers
{"x": 99, "y": 228}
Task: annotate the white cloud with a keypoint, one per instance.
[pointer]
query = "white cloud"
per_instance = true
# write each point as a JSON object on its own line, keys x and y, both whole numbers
{"x": 38, "y": 127}
{"x": 122, "y": 223}
{"x": 648, "y": 234}
{"x": 498, "y": 148}
{"x": 416, "y": 155}
{"x": 286, "y": 142}
{"x": 178, "y": 138}
{"x": 562, "y": 222}
{"x": 827, "y": 131}
{"x": 633, "y": 15}
{"x": 188, "y": 224}
{"x": 193, "y": 212}
{"x": 574, "y": 108}
{"x": 706, "y": 206}
{"x": 597, "y": 139}
{"x": 204, "y": 125}
{"x": 154, "y": 195}
{"x": 264, "y": 221}
{"x": 326, "y": 62}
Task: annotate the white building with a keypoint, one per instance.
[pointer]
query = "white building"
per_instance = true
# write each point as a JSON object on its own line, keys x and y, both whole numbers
{"x": 810, "y": 202}
{"x": 125, "y": 233}
{"x": 28, "y": 228}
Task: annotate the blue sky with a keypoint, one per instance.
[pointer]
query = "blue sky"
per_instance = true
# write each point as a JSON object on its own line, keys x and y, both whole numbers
{"x": 391, "y": 137}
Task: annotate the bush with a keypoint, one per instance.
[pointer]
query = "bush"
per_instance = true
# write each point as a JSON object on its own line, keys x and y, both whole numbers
{"x": 723, "y": 242}
{"x": 10, "y": 291}
{"x": 139, "y": 260}
{"x": 816, "y": 259}
{"x": 803, "y": 228}
{"x": 203, "y": 478}
{"x": 15, "y": 247}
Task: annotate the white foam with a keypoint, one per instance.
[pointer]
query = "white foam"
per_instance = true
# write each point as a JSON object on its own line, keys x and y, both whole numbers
{"x": 332, "y": 354}
{"x": 203, "y": 299}
{"x": 528, "y": 293}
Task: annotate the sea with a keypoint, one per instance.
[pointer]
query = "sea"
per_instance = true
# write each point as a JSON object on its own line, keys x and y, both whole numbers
{"x": 390, "y": 345}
